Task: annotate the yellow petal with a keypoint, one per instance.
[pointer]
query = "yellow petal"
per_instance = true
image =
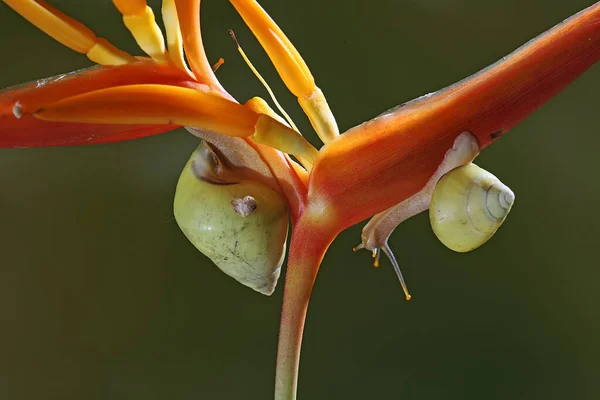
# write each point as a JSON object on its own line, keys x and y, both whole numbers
{"x": 174, "y": 37}
{"x": 288, "y": 62}
{"x": 68, "y": 31}
{"x": 139, "y": 19}
{"x": 291, "y": 67}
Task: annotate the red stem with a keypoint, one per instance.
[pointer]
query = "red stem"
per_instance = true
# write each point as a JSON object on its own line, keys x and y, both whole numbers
{"x": 308, "y": 246}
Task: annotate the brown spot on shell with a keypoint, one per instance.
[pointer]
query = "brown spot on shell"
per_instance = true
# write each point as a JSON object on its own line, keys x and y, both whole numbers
{"x": 244, "y": 206}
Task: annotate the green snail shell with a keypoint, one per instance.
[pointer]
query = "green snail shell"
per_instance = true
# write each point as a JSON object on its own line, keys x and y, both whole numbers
{"x": 241, "y": 226}
{"x": 467, "y": 207}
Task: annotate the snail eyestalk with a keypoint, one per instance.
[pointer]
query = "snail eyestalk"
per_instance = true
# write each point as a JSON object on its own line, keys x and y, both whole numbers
{"x": 376, "y": 252}
{"x": 388, "y": 252}
{"x": 376, "y": 233}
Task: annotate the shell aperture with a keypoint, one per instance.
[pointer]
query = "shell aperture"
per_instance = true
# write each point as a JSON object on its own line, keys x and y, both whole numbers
{"x": 249, "y": 246}
{"x": 468, "y": 206}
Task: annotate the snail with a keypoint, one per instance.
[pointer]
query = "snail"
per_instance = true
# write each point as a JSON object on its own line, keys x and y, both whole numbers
{"x": 467, "y": 207}
{"x": 238, "y": 222}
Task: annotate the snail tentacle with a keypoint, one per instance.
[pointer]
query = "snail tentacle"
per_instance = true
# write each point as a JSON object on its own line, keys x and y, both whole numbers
{"x": 388, "y": 252}
{"x": 376, "y": 233}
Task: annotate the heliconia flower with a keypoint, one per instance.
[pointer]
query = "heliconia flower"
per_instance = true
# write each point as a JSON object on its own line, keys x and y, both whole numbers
{"x": 414, "y": 157}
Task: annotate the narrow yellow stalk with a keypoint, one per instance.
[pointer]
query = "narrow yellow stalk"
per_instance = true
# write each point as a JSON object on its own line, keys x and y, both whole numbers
{"x": 263, "y": 82}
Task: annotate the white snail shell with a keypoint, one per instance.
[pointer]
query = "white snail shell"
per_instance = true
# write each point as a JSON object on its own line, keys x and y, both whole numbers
{"x": 467, "y": 207}
{"x": 241, "y": 226}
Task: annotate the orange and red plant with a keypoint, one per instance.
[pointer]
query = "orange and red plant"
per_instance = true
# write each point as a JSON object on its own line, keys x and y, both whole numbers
{"x": 328, "y": 189}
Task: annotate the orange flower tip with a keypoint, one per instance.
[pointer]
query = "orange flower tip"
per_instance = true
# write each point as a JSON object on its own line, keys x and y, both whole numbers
{"x": 408, "y": 297}
{"x": 218, "y": 64}
{"x": 317, "y": 109}
{"x": 18, "y": 110}
{"x": 130, "y": 7}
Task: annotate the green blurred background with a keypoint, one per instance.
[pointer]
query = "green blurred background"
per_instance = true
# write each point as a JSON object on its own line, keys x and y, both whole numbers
{"x": 101, "y": 296}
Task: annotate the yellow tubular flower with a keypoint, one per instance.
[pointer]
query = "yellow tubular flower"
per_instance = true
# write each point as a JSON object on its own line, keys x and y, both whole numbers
{"x": 296, "y": 144}
{"x": 174, "y": 37}
{"x": 69, "y": 32}
{"x": 139, "y": 19}
{"x": 291, "y": 67}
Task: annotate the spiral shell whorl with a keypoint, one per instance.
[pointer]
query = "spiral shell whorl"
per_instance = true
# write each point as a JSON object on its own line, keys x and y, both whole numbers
{"x": 468, "y": 206}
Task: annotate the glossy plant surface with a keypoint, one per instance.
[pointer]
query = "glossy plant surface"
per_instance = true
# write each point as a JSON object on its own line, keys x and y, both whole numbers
{"x": 102, "y": 289}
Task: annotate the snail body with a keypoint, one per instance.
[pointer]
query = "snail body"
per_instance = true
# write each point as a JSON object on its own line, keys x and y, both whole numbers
{"x": 468, "y": 206}
{"x": 241, "y": 225}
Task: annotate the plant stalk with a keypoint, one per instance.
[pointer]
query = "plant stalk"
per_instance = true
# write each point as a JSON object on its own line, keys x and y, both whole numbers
{"x": 307, "y": 249}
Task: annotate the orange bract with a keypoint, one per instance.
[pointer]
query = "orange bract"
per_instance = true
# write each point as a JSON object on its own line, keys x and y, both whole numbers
{"x": 154, "y": 104}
